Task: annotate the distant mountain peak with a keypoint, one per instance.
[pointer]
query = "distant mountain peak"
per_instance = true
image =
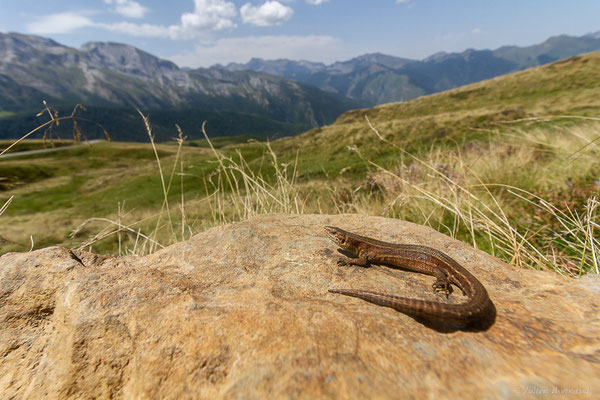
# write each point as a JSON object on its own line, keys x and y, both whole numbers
{"x": 593, "y": 35}
{"x": 111, "y": 48}
{"x": 375, "y": 57}
{"x": 436, "y": 56}
{"x": 21, "y": 48}
{"x": 31, "y": 40}
{"x": 127, "y": 59}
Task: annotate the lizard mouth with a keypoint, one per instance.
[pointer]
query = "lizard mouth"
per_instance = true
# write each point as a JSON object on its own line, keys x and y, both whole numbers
{"x": 333, "y": 234}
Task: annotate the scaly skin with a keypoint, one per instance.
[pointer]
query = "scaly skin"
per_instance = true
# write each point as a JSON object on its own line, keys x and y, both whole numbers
{"x": 418, "y": 259}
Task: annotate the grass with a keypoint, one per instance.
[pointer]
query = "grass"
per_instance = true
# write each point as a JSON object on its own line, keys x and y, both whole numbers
{"x": 500, "y": 205}
{"x": 220, "y": 142}
{"x": 32, "y": 145}
{"x": 509, "y": 166}
{"x": 54, "y": 122}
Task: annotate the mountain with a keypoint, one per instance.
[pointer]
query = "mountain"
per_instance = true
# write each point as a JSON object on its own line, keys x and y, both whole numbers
{"x": 273, "y": 98}
{"x": 369, "y": 79}
{"x": 113, "y": 75}
{"x": 554, "y": 49}
{"x": 473, "y": 113}
{"x": 288, "y": 68}
{"x": 376, "y": 78}
{"x": 293, "y": 69}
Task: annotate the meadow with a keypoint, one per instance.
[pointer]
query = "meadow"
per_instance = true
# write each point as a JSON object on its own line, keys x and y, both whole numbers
{"x": 510, "y": 165}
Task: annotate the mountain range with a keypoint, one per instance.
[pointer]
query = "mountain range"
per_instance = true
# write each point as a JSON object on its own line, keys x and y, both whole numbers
{"x": 261, "y": 97}
{"x": 113, "y": 76}
{"x": 374, "y": 79}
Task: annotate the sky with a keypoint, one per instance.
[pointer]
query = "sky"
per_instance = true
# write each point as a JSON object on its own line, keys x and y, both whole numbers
{"x": 201, "y": 33}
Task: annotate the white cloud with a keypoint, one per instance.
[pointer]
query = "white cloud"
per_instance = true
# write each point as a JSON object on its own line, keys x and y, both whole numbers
{"x": 207, "y": 15}
{"x": 402, "y": 1}
{"x": 223, "y": 51}
{"x": 476, "y": 31}
{"x": 69, "y": 22}
{"x": 128, "y": 8}
{"x": 270, "y": 13}
{"x": 210, "y": 14}
{"x": 316, "y": 2}
{"x": 59, "y": 23}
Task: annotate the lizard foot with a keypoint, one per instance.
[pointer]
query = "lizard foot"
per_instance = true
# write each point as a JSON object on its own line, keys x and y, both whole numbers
{"x": 346, "y": 262}
{"x": 442, "y": 286}
{"x": 342, "y": 262}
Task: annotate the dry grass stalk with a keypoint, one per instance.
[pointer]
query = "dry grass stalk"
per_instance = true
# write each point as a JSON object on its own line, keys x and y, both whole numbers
{"x": 55, "y": 121}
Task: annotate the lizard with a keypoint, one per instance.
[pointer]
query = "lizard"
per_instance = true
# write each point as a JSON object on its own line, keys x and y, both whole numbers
{"x": 414, "y": 258}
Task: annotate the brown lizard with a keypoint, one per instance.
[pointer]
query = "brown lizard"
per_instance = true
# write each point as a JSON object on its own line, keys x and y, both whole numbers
{"x": 418, "y": 259}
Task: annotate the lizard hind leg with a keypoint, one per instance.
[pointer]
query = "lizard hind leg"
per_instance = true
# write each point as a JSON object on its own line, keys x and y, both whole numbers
{"x": 442, "y": 285}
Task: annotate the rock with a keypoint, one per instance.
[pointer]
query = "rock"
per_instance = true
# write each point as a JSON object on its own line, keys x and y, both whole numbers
{"x": 243, "y": 311}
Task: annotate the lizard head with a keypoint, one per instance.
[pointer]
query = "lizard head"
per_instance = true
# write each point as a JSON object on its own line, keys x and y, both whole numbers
{"x": 338, "y": 236}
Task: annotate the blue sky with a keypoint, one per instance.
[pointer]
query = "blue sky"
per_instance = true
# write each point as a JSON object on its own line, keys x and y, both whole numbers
{"x": 198, "y": 33}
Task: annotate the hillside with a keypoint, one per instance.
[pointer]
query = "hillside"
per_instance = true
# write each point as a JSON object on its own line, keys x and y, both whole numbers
{"x": 505, "y": 165}
{"x": 121, "y": 77}
{"x": 568, "y": 87}
{"x": 377, "y": 78}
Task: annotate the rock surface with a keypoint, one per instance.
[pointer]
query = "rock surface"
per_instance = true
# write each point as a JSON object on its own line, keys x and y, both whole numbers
{"x": 242, "y": 311}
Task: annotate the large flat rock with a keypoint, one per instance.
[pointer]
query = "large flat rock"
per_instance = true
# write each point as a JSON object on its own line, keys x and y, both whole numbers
{"x": 243, "y": 311}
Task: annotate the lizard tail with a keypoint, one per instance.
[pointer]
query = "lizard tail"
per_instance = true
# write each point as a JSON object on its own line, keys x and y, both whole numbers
{"x": 465, "y": 311}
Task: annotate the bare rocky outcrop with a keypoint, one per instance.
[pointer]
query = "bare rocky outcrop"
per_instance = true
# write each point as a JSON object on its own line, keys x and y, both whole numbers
{"x": 242, "y": 311}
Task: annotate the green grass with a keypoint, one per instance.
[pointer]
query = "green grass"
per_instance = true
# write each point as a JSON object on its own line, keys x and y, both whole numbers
{"x": 6, "y": 114}
{"x": 220, "y": 142}
{"x": 33, "y": 145}
{"x": 508, "y": 165}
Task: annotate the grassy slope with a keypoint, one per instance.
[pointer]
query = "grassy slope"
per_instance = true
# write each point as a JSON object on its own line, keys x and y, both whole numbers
{"x": 567, "y": 87}
{"x": 336, "y": 164}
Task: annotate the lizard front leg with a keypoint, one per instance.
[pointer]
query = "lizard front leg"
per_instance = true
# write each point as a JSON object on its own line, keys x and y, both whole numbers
{"x": 361, "y": 261}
